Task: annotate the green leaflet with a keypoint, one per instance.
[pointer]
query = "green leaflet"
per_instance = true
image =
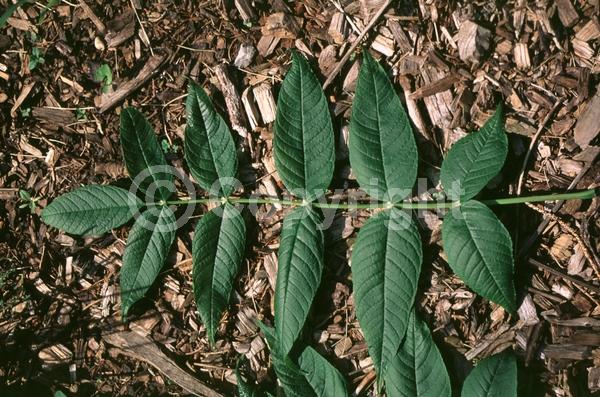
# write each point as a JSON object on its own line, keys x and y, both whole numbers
{"x": 143, "y": 156}
{"x": 418, "y": 368}
{"x": 298, "y": 275}
{"x": 303, "y": 142}
{"x": 386, "y": 262}
{"x": 475, "y": 159}
{"x": 10, "y": 10}
{"x": 209, "y": 147}
{"x": 479, "y": 251}
{"x": 324, "y": 378}
{"x": 91, "y": 210}
{"x": 496, "y": 376}
{"x": 383, "y": 153}
{"x": 145, "y": 253}
{"x": 292, "y": 378}
{"x": 217, "y": 251}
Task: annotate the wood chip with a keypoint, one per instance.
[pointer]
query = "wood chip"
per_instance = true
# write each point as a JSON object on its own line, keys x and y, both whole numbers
{"x": 473, "y": 41}
{"x": 22, "y": 96}
{"x": 246, "y": 10}
{"x": 90, "y": 14}
{"x": 589, "y": 31}
{"x": 237, "y": 118}
{"x": 588, "y": 127}
{"x": 383, "y": 45}
{"x": 567, "y": 13}
{"x": 265, "y": 101}
{"x": 252, "y": 112}
{"x": 142, "y": 348}
{"x": 521, "y": 54}
{"x": 281, "y": 25}
{"x": 110, "y": 100}
{"x": 120, "y": 29}
{"x": 339, "y": 29}
{"x": 267, "y": 44}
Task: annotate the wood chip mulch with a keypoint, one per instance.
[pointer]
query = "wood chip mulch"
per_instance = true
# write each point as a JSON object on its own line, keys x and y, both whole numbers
{"x": 452, "y": 62}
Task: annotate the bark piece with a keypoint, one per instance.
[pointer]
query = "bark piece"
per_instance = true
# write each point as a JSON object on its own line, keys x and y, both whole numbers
{"x": 589, "y": 31}
{"x": 338, "y": 28}
{"x": 90, "y": 14}
{"x": 567, "y": 13}
{"x": 473, "y": 41}
{"x": 588, "y": 126}
{"x": 281, "y": 25}
{"x": 54, "y": 119}
{"x": 267, "y": 44}
{"x": 110, "y": 100}
{"x": 232, "y": 100}
{"x": 139, "y": 347}
{"x": 245, "y": 55}
{"x": 383, "y": 45}
{"x": 265, "y": 101}
{"x": 250, "y": 107}
{"x": 521, "y": 53}
{"x": 246, "y": 11}
{"x": 120, "y": 29}
{"x": 400, "y": 37}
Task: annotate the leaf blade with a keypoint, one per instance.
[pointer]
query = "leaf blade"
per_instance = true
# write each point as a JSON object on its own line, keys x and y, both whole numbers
{"x": 323, "y": 377}
{"x": 289, "y": 374}
{"x": 217, "y": 252}
{"x": 386, "y": 262}
{"x": 298, "y": 274}
{"x": 479, "y": 250}
{"x": 91, "y": 210}
{"x": 418, "y": 368}
{"x": 383, "y": 152}
{"x": 209, "y": 148}
{"x": 475, "y": 159}
{"x": 143, "y": 156}
{"x": 145, "y": 253}
{"x": 303, "y": 141}
{"x": 495, "y": 376}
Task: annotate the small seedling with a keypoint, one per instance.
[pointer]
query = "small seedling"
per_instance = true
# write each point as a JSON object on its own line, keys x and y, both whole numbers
{"x": 27, "y": 201}
{"x": 36, "y": 58}
{"x": 81, "y": 114}
{"x": 104, "y": 76}
{"x": 387, "y": 255}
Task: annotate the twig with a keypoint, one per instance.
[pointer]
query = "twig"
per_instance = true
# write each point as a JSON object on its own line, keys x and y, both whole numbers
{"x": 542, "y": 226}
{"x": 534, "y": 140}
{"x": 560, "y": 274}
{"x": 350, "y": 51}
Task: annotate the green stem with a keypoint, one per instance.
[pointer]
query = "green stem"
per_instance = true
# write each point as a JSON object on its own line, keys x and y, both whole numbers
{"x": 582, "y": 195}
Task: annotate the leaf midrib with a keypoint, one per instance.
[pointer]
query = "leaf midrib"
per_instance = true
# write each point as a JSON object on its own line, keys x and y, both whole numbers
{"x": 487, "y": 266}
{"x": 289, "y": 267}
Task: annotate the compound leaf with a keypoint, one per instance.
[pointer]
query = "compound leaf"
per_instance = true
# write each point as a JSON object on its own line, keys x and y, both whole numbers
{"x": 145, "y": 253}
{"x": 383, "y": 153}
{"x": 495, "y": 376}
{"x": 475, "y": 159}
{"x": 217, "y": 252}
{"x": 418, "y": 368}
{"x": 143, "y": 156}
{"x": 292, "y": 378}
{"x": 303, "y": 142}
{"x": 479, "y": 251}
{"x": 209, "y": 147}
{"x": 91, "y": 210}
{"x": 386, "y": 262}
{"x": 324, "y": 378}
{"x": 298, "y": 274}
